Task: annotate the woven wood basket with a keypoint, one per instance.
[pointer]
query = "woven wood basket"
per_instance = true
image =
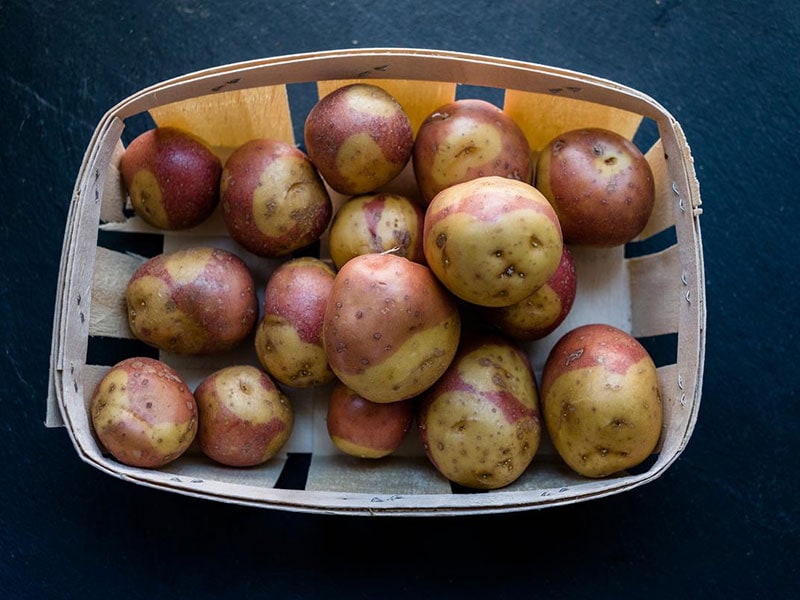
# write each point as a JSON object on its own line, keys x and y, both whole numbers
{"x": 653, "y": 287}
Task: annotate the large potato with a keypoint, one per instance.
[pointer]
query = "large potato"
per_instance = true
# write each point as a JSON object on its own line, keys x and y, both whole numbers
{"x": 273, "y": 199}
{"x": 601, "y": 400}
{"x": 244, "y": 418}
{"x": 600, "y": 185}
{"x": 466, "y": 139}
{"x": 480, "y": 423}
{"x": 172, "y": 178}
{"x": 289, "y": 336}
{"x": 377, "y": 223}
{"x": 144, "y": 413}
{"x": 492, "y": 241}
{"x": 359, "y": 137}
{"x": 390, "y": 328}
{"x": 199, "y": 300}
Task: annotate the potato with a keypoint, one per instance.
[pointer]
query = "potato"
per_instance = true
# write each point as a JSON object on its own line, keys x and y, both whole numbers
{"x": 366, "y": 429}
{"x": 600, "y": 185}
{"x": 273, "y": 200}
{"x": 200, "y": 300}
{"x": 144, "y": 413}
{"x": 172, "y": 178}
{"x": 492, "y": 241}
{"x": 480, "y": 423}
{"x": 377, "y": 223}
{"x": 601, "y": 400}
{"x": 244, "y": 418}
{"x": 390, "y": 328}
{"x": 359, "y": 138}
{"x": 289, "y": 336}
{"x": 466, "y": 139}
{"x": 538, "y": 315}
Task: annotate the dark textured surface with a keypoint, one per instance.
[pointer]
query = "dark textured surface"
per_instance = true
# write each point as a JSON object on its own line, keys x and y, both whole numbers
{"x": 721, "y": 522}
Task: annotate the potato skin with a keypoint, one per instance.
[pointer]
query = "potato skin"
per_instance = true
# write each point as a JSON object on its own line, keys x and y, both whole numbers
{"x": 480, "y": 423}
{"x": 172, "y": 178}
{"x": 601, "y": 400}
{"x": 244, "y": 418}
{"x": 377, "y": 223}
{"x": 492, "y": 241}
{"x": 600, "y": 185}
{"x": 538, "y": 315}
{"x": 273, "y": 200}
{"x": 359, "y": 138}
{"x": 466, "y": 139}
{"x": 390, "y": 328}
{"x": 144, "y": 413}
{"x": 366, "y": 429}
{"x": 288, "y": 339}
{"x": 199, "y": 300}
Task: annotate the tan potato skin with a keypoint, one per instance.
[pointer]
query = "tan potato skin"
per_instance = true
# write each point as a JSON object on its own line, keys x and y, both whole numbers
{"x": 359, "y": 138}
{"x": 377, "y": 223}
{"x": 492, "y": 241}
{"x": 200, "y": 300}
{"x": 288, "y": 339}
{"x": 480, "y": 423}
{"x": 172, "y": 178}
{"x": 601, "y": 400}
{"x": 244, "y": 418}
{"x": 538, "y": 315}
{"x": 366, "y": 429}
{"x": 144, "y": 413}
{"x": 273, "y": 200}
{"x": 600, "y": 185}
{"x": 466, "y": 139}
{"x": 390, "y": 328}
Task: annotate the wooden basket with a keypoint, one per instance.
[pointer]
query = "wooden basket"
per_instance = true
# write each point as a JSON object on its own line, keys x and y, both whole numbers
{"x": 653, "y": 287}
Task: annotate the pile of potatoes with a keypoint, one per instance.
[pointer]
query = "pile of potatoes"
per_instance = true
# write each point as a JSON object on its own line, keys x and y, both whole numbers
{"x": 420, "y": 315}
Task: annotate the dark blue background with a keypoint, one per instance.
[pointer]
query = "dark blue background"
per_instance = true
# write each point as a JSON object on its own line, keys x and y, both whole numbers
{"x": 721, "y": 522}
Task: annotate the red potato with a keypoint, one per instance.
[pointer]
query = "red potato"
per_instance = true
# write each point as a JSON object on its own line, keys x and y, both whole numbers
{"x": 366, "y": 429}
{"x": 601, "y": 400}
{"x": 466, "y": 139}
{"x": 377, "y": 223}
{"x": 273, "y": 200}
{"x": 480, "y": 423}
{"x": 600, "y": 185}
{"x": 244, "y": 418}
{"x": 144, "y": 413}
{"x": 199, "y": 300}
{"x": 172, "y": 178}
{"x": 289, "y": 336}
{"x": 538, "y": 315}
{"x": 359, "y": 138}
{"x": 390, "y": 328}
{"x": 492, "y": 241}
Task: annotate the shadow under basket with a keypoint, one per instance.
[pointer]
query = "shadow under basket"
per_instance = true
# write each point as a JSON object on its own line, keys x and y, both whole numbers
{"x": 653, "y": 287}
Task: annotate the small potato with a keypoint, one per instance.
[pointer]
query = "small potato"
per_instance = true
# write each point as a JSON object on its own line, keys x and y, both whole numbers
{"x": 144, "y": 413}
{"x": 480, "y": 423}
{"x": 390, "y": 327}
{"x": 600, "y": 185}
{"x": 273, "y": 200}
{"x": 359, "y": 138}
{"x": 196, "y": 301}
{"x": 538, "y": 315}
{"x": 289, "y": 337}
{"x": 601, "y": 400}
{"x": 466, "y": 139}
{"x": 377, "y": 223}
{"x": 244, "y": 418}
{"x": 366, "y": 429}
{"x": 492, "y": 241}
{"x": 172, "y": 178}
